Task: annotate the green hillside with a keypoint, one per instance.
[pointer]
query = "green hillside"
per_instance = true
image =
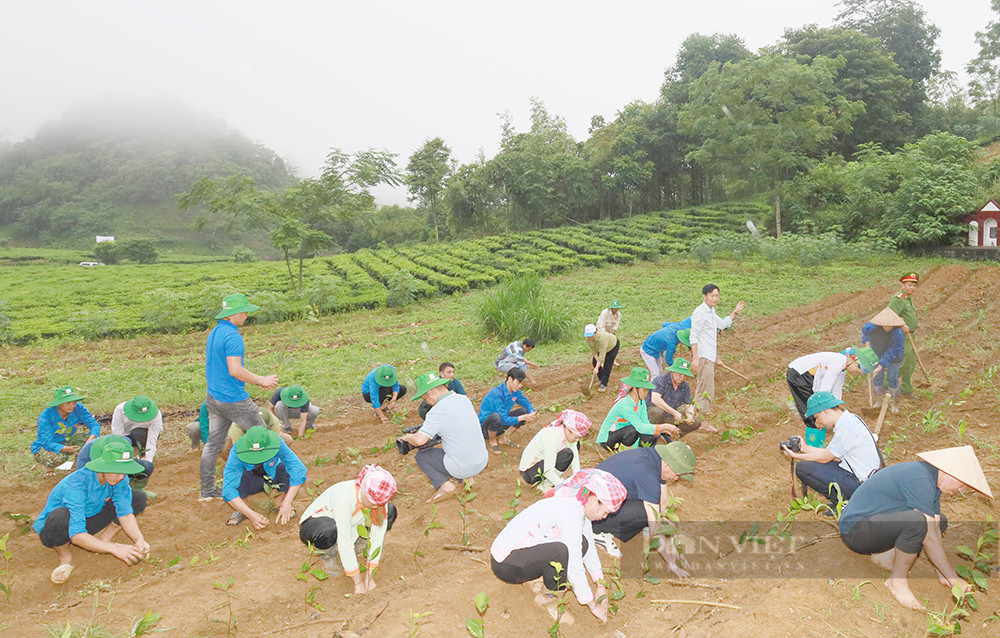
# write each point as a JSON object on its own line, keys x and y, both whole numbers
{"x": 114, "y": 168}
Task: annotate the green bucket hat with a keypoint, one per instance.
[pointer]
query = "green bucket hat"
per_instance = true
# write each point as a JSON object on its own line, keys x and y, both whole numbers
{"x": 684, "y": 336}
{"x": 429, "y": 380}
{"x": 234, "y": 305}
{"x": 680, "y": 366}
{"x": 385, "y": 376}
{"x": 258, "y": 445}
{"x": 638, "y": 378}
{"x": 114, "y": 456}
{"x": 294, "y": 396}
{"x": 614, "y": 304}
{"x": 821, "y": 401}
{"x": 64, "y": 394}
{"x": 679, "y": 457}
{"x": 140, "y": 409}
{"x": 867, "y": 359}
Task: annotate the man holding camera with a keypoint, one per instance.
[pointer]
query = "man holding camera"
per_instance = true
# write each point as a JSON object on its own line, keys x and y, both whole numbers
{"x": 452, "y": 417}
{"x": 851, "y": 456}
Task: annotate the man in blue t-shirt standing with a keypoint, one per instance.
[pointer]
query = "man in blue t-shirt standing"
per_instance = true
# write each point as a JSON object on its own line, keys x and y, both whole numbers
{"x": 228, "y": 401}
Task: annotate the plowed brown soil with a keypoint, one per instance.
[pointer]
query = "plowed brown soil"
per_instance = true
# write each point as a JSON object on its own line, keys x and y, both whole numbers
{"x": 825, "y": 591}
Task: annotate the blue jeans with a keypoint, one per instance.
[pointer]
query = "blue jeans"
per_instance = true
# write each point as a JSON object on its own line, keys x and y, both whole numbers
{"x": 890, "y": 374}
{"x": 221, "y": 415}
{"x": 819, "y": 476}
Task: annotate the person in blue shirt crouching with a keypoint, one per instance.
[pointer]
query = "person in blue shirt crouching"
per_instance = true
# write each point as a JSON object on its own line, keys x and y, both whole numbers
{"x": 260, "y": 458}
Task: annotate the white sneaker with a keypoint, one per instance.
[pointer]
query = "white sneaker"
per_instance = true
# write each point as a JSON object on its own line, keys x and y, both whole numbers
{"x": 607, "y": 542}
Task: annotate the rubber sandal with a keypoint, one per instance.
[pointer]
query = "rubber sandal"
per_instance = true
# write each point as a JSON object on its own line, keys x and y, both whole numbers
{"x": 61, "y": 574}
{"x": 236, "y": 518}
{"x": 512, "y": 444}
{"x": 496, "y": 449}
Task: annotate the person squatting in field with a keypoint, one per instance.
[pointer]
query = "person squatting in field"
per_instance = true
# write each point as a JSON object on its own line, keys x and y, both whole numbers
{"x": 670, "y": 399}
{"x": 60, "y": 436}
{"x": 497, "y": 414}
{"x": 447, "y": 371}
{"x": 330, "y": 524}
{"x": 627, "y": 423}
{"x": 550, "y": 546}
{"x": 554, "y": 452}
{"x": 89, "y": 507}
{"x": 293, "y": 401}
{"x": 452, "y": 419}
{"x": 261, "y": 461}
{"x": 513, "y": 356}
{"x": 382, "y": 389}
{"x": 228, "y": 401}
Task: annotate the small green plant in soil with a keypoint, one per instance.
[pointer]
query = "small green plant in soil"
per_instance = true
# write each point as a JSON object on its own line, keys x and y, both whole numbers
{"x": 475, "y": 625}
{"x": 433, "y": 524}
{"x": 514, "y": 502}
{"x": 464, "y": 497}
{"x": 415, "y": 622}
{"x": 6, "y": 580}
{"x": 230, "y": 622}
{"x": 555, "y": 631}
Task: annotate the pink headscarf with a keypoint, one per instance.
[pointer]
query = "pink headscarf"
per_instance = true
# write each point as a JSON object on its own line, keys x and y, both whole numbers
{"x": 376, "y": 483}
{"x": 608, "y": 490}
{"x": 577, "y": 422}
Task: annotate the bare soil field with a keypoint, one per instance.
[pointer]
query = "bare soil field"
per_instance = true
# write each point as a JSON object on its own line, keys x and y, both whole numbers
{"x": 822, "y": 589}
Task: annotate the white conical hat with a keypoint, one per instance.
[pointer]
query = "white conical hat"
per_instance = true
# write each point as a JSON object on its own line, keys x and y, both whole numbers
{"x": 961, "y": 463}
{"x": 888, "y": 318}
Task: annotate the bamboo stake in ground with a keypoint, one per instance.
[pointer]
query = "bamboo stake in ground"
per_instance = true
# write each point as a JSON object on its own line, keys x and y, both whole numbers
{"x": 667, "y": 601}
{"x": 871, "y": 392}
{"x": 881, "y": 415}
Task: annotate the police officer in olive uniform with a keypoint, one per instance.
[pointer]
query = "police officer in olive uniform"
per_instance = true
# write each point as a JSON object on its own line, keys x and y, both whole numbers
{"x": 902, "y": 305}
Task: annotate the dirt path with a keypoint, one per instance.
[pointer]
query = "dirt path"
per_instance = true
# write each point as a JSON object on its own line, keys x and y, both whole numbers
{"x": 822, "y": 590}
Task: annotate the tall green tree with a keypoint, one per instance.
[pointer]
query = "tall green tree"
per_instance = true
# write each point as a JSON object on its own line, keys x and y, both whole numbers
{"x": 984, "y": 69}
{"x": 765, "y": 120}
{"x": 868, "y": 76}
{"x": 303, "y": 218}
{"x": 426, "y": 172}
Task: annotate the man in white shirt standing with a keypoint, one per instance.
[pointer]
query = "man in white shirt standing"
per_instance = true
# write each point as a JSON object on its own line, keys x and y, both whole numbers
{"x": 705, "y": 325}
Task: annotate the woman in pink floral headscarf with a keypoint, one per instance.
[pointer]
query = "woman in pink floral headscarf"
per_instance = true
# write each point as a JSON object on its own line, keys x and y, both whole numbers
{"x": 554, "y": 450}
{"x": 334, "y": 517}
{"x": 551, "y": 543}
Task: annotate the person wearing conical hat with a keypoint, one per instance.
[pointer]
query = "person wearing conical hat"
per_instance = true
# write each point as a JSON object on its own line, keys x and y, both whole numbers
{"x": 292, "y": 401}
{"x": 883, "y": 334}
{"x": 90, "y": 506}
{"x": 331, "y": 524}
{"x": 659, "y": 348}
{"x": 261, "y": 461}
{"x": 60, "y": 434}
{"x": 902, "y": 304}
{"x": 554, "y": 450}
{"x": 227, "y": 400}
{"x": 645, "y": 473}
{"x": 610, "y": 318}
{"x": 670, "y": 400}
{"x": 627, "y": 423}
{"x": 896, "y": 514}
{"x": 825, "y": 372}
{"x": 850, "y": 457}
{"x": 462, "y": 454}
{"x": 380, "y": 385}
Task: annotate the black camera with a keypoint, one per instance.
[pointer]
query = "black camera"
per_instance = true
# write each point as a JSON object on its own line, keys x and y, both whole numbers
{"x": 404, "y": 447}
{"x": 794, "y": 443}
{"x": 410, "y": 429}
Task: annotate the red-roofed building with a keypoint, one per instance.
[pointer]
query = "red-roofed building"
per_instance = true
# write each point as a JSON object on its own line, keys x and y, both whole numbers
{"x": 983, "y": 223}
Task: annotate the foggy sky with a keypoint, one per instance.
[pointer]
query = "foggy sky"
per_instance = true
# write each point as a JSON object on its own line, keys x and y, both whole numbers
{"x": 304, "y": 76}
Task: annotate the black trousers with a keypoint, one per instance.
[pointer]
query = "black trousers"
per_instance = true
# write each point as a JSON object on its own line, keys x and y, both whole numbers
{"x": 629, "y": 436}
{"x": 56, "y": 530}
{"x": 604, "y": 374}
{"x": 629, "y": 520}
{"x": 534, "y": 474}
{"x": 384, "y": 394}
{"x": 493, "y": 422}
{"x": 903, "y": 530}
{"x": 801, "y": 386}
{"x": 523, "y": 565}
{"x": 321, "y": 531}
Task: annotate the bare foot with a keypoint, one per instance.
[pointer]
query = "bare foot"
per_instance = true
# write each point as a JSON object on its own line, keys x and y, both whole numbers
{"x": 550, "y": 604}
{"x": 708, "y": 427}
{"x": 447, "y": 489}
{"x": 61, "y": 574}
{"x": 901, "y": 591}
{"x": 883, "y": 559}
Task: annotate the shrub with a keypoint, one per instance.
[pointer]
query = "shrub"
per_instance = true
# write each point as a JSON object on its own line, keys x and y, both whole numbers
{"x": 106, "y": 252}
{"x": 92, "y": 326}
{"x": 242, "y": 254}
{"x": 325, "y": 294}
{"x": 142, "y": 251}
{"x": 276, "y": 306}
{"x": 162, "y": 312}
{"x": 402, "y": 289}
{"x": 703, "y": 250}
{"x": 517, "y": 309}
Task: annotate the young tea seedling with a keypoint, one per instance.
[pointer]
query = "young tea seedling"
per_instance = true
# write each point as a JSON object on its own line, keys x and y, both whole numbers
{"x": 475, "y": 625}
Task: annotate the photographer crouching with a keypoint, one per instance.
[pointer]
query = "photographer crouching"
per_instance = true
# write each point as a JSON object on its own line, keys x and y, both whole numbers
{"x": 851, "y": 456}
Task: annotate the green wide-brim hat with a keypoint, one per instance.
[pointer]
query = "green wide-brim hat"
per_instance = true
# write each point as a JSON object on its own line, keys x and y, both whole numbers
{"x": 64, "y": 394}
{"x": 112, "y": 455}
{"x": 684, "y": 336}
{"x": 679, "y": 457}
{"x": 867, "y": 359}
{"x": 638, "y": 378}
{"x": 614, "y": 304}
{"x": 681, "y": 366}
{"x": 294, "y": 396}
{"x": 258, "y": 445}
{"x": 140, "y": 409}
{"x": 427, "y": 381}
{"x": 821, "y": 401}
{"x": 234, "y": 305}
{"x": 385, "y": 376}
